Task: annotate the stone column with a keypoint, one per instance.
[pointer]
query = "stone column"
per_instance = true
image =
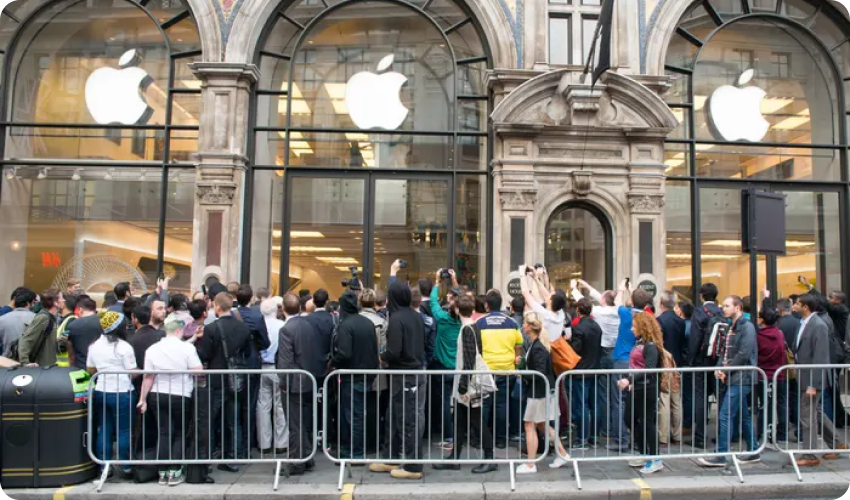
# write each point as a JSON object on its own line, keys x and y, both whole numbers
{"x": 221, "y": 168}
{"x": 516, "y": 195}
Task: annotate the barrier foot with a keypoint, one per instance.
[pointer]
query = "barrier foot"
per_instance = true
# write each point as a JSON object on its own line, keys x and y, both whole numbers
{"x": 578, "y": 476}
{"x": 103, "y": 476}
{"x": 513, "y": 476}
{"x": 796, "y": 467}
{"x": 738, "y": 468}
{"x": 341, "y": 475}
{"x": 277, "y": 475}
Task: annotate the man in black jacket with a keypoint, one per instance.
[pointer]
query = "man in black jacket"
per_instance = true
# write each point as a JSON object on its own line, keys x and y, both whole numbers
{"x": 405, "y": 351}
{"x": 221, "y": 398}
{"x": 586, "y": 341}
{"x": 256, "y": 324}
{"x": 356, "y": 349}
{"x": 324, "y": 322}
{"x": 298, "y": 350}
{"x": 146, "y": 335}
{"x": 703, "y": 387}
{"x": 675, "y": 342}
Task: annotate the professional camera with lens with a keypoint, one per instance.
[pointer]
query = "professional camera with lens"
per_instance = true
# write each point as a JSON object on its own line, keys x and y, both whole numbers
{"x": 353, "y": 283}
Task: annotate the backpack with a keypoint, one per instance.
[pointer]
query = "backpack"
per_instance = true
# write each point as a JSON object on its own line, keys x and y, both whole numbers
{"x": 670, "y": 381}
{"x": 235, "y": 381}
{"x": 708, "y": 351}
{"x": 564, "y": 358}
{"x": 837, "y": 350}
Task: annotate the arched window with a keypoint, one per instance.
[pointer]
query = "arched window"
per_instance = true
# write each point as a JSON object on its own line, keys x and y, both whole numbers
{"x": 374, "y": 114}
{"x": 578, "y": 246}
{"x": 100, "y": 121}
{"x": 758, "y": 87}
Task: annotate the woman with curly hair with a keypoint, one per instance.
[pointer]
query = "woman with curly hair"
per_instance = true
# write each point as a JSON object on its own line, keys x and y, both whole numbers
{"x": 642, "y": 406}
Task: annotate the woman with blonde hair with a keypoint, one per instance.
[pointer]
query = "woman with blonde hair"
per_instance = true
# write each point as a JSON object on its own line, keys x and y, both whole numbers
{"x": 542, "y": 407}
{"x": 642, "y": 406}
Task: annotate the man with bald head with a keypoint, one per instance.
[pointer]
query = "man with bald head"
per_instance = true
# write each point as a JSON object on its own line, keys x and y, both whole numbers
{"x": 298, "y": 350}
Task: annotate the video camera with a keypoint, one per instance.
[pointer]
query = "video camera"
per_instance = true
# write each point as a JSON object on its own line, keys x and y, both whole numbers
{"x": 353, "y": 283}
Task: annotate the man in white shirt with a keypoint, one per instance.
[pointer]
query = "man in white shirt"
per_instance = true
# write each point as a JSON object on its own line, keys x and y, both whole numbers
{"x": 270, "y": 398}
{"x": 606, "y": 315}
{"x": 170, "y": 395}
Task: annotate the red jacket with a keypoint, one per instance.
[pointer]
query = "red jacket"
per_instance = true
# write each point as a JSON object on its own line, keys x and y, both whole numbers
{"x": 771, "y": 346}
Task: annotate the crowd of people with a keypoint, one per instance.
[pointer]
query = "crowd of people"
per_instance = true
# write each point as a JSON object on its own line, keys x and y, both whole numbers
{"x": 396, "y": 337}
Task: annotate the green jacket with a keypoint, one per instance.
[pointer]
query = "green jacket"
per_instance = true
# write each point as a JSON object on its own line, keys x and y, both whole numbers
{"x": 448, "y": 328}
{"x": 30, "y": 339}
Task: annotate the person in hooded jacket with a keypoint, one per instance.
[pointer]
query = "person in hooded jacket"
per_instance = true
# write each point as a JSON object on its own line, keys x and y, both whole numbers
{"x": 771, "y": 355}
{"x": 405, "y": 351}
{"x": 355, "y": 348}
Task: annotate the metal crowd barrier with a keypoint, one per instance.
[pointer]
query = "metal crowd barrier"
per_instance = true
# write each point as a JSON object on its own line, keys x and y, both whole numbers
{"x": 796, "y": 413}
{"x": 195, "y": 418}
{"x": 409, "y": 416}
{"x": 605, "y": 410}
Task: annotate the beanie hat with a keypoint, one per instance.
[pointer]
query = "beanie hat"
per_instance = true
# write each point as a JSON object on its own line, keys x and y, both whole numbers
{"x": 109, "y": 320}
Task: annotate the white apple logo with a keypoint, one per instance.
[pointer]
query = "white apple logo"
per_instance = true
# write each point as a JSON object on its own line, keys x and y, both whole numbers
{"x": 373, "y": 100}
{"x": 115, "y": 96}
{"x": 735, "y": 112}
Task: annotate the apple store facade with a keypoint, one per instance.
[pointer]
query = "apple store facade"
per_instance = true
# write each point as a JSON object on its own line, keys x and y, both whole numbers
{"x": 283, "y": 143}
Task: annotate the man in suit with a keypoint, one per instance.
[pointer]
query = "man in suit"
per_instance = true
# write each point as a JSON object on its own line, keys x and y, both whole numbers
{"x": 673, "y": 331}
{"x": 298, "y": 350}
{"x": 812, "y": 348}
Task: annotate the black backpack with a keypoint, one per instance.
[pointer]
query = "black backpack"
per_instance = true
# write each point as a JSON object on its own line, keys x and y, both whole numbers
{"x": 719, "y": 341}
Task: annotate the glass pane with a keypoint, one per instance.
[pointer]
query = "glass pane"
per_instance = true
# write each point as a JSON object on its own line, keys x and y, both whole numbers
{"x": 446, "y": 13}
{"x": 720, "y": 242}
{"x": 472, "y": 115}
{"x": 184, "y": 77}
{"x": 179, "y": 231}
{"x": 799, "y": 9}
{"x": 473, "y": 153}
{"x": 588, "y": 29}
{"x": 471, "y": 214}
{"x": 356, "y": 150}
{"x": 767, "y": 163}
{"x": 186, "y": 109}
{"x": 184, "y": 146}
{"x": 677, "y": 218}
{"x": 343, "y": 79}
{"x": 283, "y": 36}
{"x": 411, "y": 223}
{"x": 682, "y": 131}
{"x": 472, "y": 79}
{"x": 100, "y": 229}
{"x": 184, "y": 36}
{"x": 575, "y": 248}
{"x": 327, "y": 232}
{"x": 466, "y": 42}
{"x": 677, "y": 159}
{"x": 764, "y": 5}
{"x": 559, "y": 40}
{"x": 678, "y": 92}
{"x": 83, "y": 144}
{"x": 274, "y": 73}
{"x": 267, "y": 229}
{"x": 796, "y": 108}
{"x": 86, "y": 50}
{"x": 813, "y": 243}
{"x": 271, "y": 111}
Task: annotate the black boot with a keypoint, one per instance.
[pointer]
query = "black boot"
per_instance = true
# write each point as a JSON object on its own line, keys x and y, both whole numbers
{"x": 485, "y": 468}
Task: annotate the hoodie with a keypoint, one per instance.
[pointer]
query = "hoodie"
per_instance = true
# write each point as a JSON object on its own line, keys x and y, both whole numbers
{"x": 355, "y": 344}
{"x": 771, "y": 347}
{"x": 405, "y": 332}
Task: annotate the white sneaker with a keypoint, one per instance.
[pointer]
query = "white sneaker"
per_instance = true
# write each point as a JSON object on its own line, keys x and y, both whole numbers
{"x": 652, "y": 466}
{"x": 637, "y": 463}
{"x": 558, "y": 463}
{"x": 525, "y": 469}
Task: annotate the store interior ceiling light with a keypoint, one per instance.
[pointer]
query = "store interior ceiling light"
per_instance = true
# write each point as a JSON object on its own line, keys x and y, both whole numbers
{"x": 191, "y": 84}
{"x": 793, "y": 122}
{"x": 737, "y": 244}
{"x": 299, "y": 105}
{"x": 309, "y": 249}
{"x": 277, "y": 233}
{"x": 338, "y": 260}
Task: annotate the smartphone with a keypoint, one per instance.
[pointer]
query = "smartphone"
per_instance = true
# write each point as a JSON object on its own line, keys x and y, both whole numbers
{"x": 628, "y": 282}
{"x": 800, "y": 279}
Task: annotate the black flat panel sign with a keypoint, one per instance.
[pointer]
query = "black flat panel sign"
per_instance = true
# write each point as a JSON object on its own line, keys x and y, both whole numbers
{"x": 763, "y": 222}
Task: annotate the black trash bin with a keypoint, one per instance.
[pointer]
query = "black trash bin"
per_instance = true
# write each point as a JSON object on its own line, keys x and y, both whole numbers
{"x": 44, "y": 417}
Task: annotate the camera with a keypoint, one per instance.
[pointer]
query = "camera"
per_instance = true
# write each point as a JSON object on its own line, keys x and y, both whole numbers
{"x": 445, "y": 274}
{"x": 353, "y": 283}
{"x": 402, "y": 264}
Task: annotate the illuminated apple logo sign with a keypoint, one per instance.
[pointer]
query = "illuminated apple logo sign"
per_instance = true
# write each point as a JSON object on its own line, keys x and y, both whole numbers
{"x": 734, "y": 112}
{"x": 373, "y": 100}
{"x": 116, "y": 95}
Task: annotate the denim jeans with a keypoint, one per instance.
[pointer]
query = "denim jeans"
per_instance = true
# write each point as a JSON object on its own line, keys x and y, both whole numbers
{"x": 580, "y": 399}
{"x": 619, "y": 431}
{"x": 352, "y": 405}
{"x": 604, "y": 392}
{"x": 500, "y": 399}
{"x": 114, "y": 415}
{"x": 732, "y": 407}
{"x": 519, "y": 400}
{"x": 441, "y": 396}
{"x": 687, "y": 399}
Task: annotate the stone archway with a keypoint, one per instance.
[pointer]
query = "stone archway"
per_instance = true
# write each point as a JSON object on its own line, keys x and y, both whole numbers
{"x": 558, "y": 141}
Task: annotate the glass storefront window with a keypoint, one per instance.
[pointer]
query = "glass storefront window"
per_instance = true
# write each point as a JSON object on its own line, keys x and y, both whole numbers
{"x": 470, "y": 262}
{"x": 677, "y": 213}
{"x": 576, "y": 248}
{"x": 720, "y": 242}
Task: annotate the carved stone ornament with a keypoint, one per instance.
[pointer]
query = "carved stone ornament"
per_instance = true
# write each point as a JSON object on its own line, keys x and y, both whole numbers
{"x": 645, "y": 204}
{"x": 582, "y": 182}
{"x": 518, "y": 199}
{"x": 217, "y": 194}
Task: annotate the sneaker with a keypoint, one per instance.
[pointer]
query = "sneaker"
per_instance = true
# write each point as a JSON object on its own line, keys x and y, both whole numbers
{"x": 749, "y": 459}
{"x": 637, "y": 463}
{"x": 579, "y": 445}
{"x": 403, "y": 474}
{"x": 163, "y": 478}
{"x": 176, "y": 477}
{"x": 652, "y": 466}
{"x": 712, "y": 462}
{"x": 382, "y": 468}
{"x": 558, "y": 463}
{"x": 447, "y": 446}
{"x": 525, "y": 469}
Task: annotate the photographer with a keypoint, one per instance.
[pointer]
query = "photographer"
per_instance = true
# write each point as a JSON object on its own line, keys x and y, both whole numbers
{"x": 445, "y": 356}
